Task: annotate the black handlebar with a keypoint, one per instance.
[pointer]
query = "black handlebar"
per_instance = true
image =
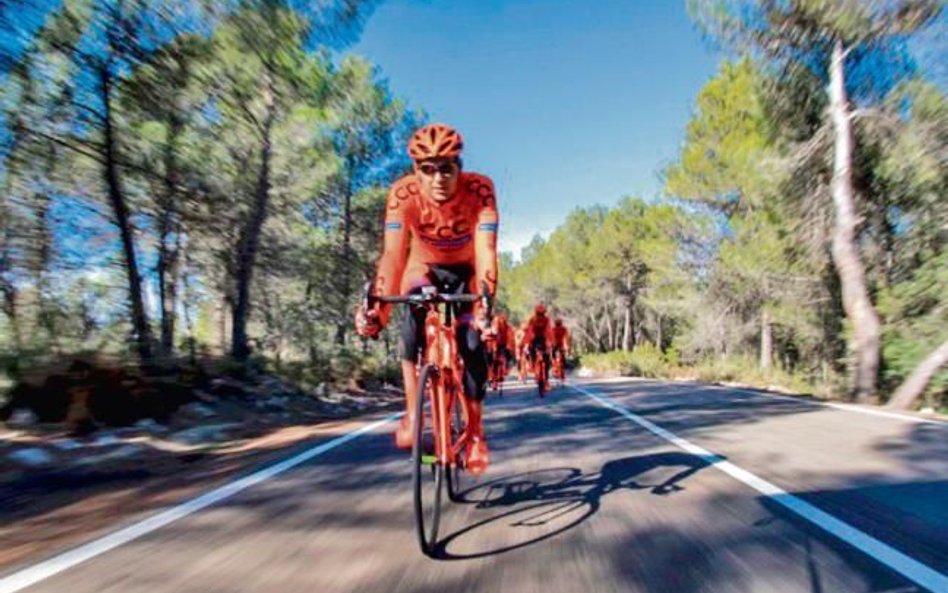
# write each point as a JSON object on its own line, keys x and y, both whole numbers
{"x": 422, "y": 298}
{"x": 430, "y": 295}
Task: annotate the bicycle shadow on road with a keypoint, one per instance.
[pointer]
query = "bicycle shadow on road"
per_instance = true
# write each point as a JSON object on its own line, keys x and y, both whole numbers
{"x": 556, "y": 500}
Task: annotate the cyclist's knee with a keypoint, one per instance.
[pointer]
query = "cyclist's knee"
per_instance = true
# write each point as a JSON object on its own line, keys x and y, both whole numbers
{"x": 475, "y": 387}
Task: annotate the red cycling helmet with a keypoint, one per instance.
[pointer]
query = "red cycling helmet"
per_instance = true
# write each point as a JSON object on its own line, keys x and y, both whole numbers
{"x": 435, "y": 141}
{"x": 558, "y": 323}
{"x": 540, "y": 309}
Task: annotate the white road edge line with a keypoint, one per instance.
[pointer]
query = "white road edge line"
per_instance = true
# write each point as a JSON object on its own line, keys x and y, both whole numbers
{"x": 802, "y": 400}
{"x": 908, "y": 567}
{"x": 844, "y": 407}
{"x": 31, "y": 575}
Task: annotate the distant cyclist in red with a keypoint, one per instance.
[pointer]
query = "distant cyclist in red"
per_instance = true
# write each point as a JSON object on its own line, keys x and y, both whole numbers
{"x": 520, "y": 341}
{"x": 539, "y": 335}
{"x": 440, "y": 230}
{"x": 560, "y": 338}
{"x": 503, "y": 334}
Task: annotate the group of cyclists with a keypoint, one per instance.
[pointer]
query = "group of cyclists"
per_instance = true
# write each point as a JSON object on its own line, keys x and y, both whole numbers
{"x": 440, "y": 233}
{"x": 524, "y": 345}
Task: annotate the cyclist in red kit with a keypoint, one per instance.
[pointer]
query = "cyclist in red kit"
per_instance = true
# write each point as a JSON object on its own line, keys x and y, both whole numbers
{"x": 440, "y": 230}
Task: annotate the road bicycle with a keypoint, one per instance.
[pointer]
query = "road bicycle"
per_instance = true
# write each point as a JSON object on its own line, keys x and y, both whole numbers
{"x": 559, "y": 365}
{"x": 540, "y": 369}
{"x": 441, "y": 428}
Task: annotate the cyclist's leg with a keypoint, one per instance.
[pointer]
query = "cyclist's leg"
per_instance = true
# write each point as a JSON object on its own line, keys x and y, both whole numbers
{"x": 411, "y": 343}
{"x": 471, "y": 349}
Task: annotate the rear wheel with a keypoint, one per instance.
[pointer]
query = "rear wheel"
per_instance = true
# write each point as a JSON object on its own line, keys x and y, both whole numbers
{"x": 501, "y": 373}
{"x": 427, "y": 474}
{"x": 540, "y": 371}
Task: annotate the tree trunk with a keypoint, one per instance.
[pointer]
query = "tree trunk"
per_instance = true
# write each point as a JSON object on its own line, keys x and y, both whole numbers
{"x": 766, "y": 341}
{"x": 659, "y": 338}
{"x": 915, "y": 384}
{"x": 346, "y": 261}
{"x": 627, "y": 330}
{"x": 168, "y": 252}
{"x": 119, "y": 205}
{"x": 856, "y": 301}
{"x": 11, "y": 310}
{"x": 7, "y": 287}
{"x": 610, "y": 338}
{"x": 226, "y": 313}
{"x": 250, "y": 237}
{"x": 43, "y": 235}
{"x": 597, "y": 330}
{"x": 188, "y": 299}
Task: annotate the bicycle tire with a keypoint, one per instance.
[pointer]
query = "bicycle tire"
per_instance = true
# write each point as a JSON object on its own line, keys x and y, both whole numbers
{"x": 427, "y": 523}
{"x": 502, "y": 364}
{"x": 541, "y": 377}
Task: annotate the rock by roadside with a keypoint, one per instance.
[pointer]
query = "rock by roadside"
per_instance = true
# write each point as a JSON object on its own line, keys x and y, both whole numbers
{"x": 211, "y": 422}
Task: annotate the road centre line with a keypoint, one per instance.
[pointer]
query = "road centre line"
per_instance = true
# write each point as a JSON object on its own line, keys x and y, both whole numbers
{"x": 901, "y": 563}
{"x": 19, "y": 580}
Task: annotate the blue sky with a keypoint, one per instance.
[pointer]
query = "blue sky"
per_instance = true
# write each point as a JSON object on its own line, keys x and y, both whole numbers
{"x": 564, "y": 103}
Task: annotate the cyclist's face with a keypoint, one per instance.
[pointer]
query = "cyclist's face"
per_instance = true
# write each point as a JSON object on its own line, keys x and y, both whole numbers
{"x": 439, "y": 178}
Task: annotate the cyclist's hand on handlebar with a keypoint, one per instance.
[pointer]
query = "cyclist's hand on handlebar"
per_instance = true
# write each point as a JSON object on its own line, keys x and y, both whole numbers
{"x": 368, "y": 322}
{"x": 483, "y": 324}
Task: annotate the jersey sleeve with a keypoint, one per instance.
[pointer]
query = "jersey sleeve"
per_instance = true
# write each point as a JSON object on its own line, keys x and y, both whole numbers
{"x": 485, "y": 238}
{"x": 388, "y": 276}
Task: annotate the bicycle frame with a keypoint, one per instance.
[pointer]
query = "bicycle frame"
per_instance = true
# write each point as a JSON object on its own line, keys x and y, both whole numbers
{"x": 442, "y": 352}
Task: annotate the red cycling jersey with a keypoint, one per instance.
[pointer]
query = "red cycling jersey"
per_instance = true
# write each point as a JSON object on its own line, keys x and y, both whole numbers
{"x": 561, "y": 337}
{"x": 539, "y": 327}
{"x": 502, "y": 331}
{"x": 421, "y": 232}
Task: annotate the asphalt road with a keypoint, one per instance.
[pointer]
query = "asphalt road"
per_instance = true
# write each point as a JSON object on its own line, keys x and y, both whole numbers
{"x": 611, "y": 486}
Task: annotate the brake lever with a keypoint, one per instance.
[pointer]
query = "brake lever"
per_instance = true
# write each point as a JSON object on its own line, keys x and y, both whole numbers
{"x": 367, "y": 296}
{"x": 487, "y": 303}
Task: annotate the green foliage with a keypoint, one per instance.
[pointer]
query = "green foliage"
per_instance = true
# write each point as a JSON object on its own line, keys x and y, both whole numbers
{"x": 724, "y": 162}
{"x": 645, "y": 361}
{"x": 194, "y": 110}
{"x": 916, "y": 315}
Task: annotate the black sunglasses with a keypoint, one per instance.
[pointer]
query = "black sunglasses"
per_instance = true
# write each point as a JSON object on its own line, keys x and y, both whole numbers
{"x": 446, "y": 168}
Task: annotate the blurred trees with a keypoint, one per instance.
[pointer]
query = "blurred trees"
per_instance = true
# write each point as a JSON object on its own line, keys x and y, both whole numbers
{"x": 805, "y": 218}
{"x": 221, "y": 158}
{"x": 179, "y": 177}
{"x": 857, "y": 50}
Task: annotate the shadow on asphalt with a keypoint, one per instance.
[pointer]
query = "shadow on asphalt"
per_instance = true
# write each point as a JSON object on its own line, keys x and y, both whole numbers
{"x": 563, "y": 494}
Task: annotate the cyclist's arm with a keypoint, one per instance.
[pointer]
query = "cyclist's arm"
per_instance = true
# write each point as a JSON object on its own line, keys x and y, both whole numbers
{"x": 388, "y": 277}
{"x": 485, "y": 242}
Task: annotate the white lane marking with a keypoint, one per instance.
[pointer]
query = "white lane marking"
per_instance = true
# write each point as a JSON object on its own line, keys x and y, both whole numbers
{"x": 802, "y": 400}
{"x": 908, "y": 567}
{"x": 31, "y": 575}
{"x": 845, "y": 407}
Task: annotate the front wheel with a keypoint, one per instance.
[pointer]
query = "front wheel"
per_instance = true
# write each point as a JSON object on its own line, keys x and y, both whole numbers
{"x": 428, "y": 473}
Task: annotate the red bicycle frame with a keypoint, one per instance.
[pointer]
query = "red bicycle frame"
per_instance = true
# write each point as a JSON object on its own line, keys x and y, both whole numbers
{"x": 442, "y": 352}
